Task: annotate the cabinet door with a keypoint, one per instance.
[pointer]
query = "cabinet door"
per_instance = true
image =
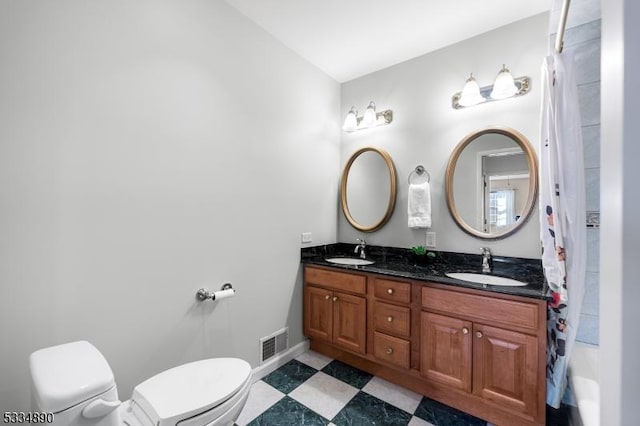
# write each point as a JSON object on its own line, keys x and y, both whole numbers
{"x": 506, "y": 367}
{"x": 349, "y": 321}
{"x": 318, "y": 318}
{"x": 445, "y": 350}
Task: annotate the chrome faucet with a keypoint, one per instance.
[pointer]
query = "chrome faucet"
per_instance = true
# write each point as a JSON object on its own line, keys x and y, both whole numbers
{"x": 360, "y": 247}
{"x": 486, "y": 259}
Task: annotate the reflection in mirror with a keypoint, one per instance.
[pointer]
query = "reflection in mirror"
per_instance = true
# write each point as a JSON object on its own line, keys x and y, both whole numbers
{"x": 506, "y": 186}
{"x": 492, "y": 182}
{"x": 368, "y": 189}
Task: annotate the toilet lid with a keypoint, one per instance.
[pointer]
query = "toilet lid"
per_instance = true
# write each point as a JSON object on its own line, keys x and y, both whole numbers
{"x": 190, "y": 389}
{"x": 65, "y": 375}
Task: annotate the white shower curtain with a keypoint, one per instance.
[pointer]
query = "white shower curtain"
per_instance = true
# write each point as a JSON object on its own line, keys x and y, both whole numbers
{"x": 562, "y": 216}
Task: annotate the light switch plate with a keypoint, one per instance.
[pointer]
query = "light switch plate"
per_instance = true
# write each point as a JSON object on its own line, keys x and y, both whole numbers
{"x": 430, "y": 240}
{"x": 307, "y": 237}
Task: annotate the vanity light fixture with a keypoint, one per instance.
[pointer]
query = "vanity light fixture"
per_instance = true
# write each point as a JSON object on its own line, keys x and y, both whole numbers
{"x": 505, "y": 86}
{"x": 370, "y": 119}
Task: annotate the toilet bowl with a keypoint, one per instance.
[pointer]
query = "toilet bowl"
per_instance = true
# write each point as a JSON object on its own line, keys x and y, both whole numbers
{"x": 75, "y": 383}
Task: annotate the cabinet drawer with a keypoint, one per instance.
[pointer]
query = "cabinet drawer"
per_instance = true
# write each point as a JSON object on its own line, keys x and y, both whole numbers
{"x": 509, "y": 313}
{"x": 391, "y": 349}
{"x": 395, "y": 291}
{"x": 337, "y": 280}
{"x": 392, "y": 318}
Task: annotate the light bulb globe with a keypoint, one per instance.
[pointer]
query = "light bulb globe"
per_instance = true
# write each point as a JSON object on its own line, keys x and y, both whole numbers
{"x": 370, "y": 118}
{"x": 470, "y": 93}
{"x": 504, "y": 87}
{"x": 351, "y": 121}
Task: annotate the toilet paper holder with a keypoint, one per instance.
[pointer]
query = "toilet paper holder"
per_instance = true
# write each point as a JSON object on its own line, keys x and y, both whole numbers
{"x": 204, "y": 294}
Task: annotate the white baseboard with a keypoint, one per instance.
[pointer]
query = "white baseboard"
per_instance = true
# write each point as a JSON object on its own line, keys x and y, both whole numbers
{"x": 279, "y": 360}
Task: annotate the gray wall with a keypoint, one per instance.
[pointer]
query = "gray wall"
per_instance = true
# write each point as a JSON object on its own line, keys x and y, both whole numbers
{"x": 582, "y": 41}
{"x": 426, "y": 129}
{"x": 148, "y": 149}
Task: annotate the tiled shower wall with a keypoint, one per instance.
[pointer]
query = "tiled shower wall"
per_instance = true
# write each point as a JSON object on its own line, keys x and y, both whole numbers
{"x": 582, "y": 40}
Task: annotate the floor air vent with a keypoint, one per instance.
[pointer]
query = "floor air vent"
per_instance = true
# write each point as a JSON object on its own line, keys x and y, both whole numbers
{"x": 272, "y": 345}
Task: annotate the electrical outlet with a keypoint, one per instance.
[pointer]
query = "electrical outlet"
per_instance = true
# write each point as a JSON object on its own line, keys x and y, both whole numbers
{"x": 431, "y": 240}
{"x": 307, "y": 237}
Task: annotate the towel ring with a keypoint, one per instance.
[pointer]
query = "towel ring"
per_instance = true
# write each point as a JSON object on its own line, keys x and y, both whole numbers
{"x": 420, "y": 170}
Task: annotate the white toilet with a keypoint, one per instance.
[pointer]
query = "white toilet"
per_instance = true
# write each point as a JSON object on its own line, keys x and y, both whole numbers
{"x": 74, "y": 381}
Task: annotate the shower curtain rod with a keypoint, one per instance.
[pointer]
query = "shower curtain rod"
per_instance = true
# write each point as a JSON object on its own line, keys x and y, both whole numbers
{"x": 561, "y": 25}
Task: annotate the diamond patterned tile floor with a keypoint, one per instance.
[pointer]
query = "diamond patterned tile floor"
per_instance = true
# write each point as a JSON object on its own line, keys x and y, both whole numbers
{"x": 315, "y": 390}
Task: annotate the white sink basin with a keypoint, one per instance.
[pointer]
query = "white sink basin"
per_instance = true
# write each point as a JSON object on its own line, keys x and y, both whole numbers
{"x": 485, "y": 279}
{"x": 355, "y": 261}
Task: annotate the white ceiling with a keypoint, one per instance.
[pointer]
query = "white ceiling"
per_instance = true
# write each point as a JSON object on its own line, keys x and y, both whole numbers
{"x": 350, "y": 38}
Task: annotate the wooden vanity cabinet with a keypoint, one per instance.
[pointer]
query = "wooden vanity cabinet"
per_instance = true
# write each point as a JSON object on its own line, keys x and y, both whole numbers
{"x": 495, "y": 364}
{"x": 331, "y": 313}
{"x": 480, "y": 352}
{"x": 500, "y": 362}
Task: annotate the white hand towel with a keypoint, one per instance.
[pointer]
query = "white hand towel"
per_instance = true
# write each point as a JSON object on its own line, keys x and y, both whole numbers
{"x": 419, "y": 208}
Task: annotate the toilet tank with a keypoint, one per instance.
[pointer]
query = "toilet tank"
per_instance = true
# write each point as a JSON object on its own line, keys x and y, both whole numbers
{"x": 63, "y": 376}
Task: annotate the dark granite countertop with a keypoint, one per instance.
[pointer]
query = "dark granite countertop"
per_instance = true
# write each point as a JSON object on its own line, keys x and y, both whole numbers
{"x": 397, "y": 262}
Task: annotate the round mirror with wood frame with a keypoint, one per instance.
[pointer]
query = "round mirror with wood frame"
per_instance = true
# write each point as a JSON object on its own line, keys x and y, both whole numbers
{"x": 491, "y": 182}
{"x": 368, "y": 189}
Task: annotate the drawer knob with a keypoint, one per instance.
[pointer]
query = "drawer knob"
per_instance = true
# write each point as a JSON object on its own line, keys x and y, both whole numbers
{"x": 389, "y": 319}
{"x": 390, "y": 291}
{"x": 478, "y": 334}
{"x": 327, "y": 297}
{"x": 389, "y": 351}
{"x": 335, "y": 298}
{"x": 465, "y": 330}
